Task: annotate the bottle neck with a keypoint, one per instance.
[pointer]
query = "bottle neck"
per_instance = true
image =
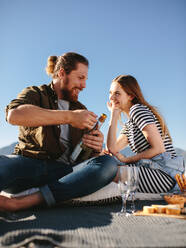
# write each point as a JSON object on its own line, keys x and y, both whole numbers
{"x": 99, "y": 124}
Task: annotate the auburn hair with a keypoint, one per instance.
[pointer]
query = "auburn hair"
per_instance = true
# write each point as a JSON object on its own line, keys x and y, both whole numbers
{"x": 130, "y": 85}
{"x": 67, "y": 61}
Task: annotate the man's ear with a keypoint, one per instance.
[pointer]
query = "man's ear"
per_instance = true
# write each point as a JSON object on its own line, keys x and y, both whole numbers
{"x": 61, "y": 73}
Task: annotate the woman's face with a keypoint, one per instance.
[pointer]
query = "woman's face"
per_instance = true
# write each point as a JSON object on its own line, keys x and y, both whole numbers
{"x": 118, "y": 97}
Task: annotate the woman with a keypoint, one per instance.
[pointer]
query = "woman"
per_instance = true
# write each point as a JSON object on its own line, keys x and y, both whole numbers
{"x": 147, "y": 135}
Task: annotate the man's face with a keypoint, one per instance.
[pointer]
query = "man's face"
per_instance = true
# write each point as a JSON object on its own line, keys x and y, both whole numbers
{"x": 74, "y": 82}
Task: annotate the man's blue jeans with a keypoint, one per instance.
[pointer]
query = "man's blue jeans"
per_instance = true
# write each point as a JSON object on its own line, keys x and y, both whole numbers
{"x": 18, "y": 173}
{"x": 86, "y": 178}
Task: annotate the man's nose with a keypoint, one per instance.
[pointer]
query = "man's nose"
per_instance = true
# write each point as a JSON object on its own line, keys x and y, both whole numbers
{"x": 83, "y": 84}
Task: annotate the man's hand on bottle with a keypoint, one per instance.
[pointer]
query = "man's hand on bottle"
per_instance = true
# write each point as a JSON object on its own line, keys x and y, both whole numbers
{"x": 94, "y": 140}
{"x": 83, "y": 119}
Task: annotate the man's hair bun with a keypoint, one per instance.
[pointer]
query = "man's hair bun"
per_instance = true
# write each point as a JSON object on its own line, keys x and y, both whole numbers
{"x": 51, "y": 62}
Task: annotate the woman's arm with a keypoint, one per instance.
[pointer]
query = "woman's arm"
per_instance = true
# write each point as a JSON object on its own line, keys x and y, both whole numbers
{"x": 120, "y": 143}
{"x": 115, "y": 144}
{"x": 153, "y": 137}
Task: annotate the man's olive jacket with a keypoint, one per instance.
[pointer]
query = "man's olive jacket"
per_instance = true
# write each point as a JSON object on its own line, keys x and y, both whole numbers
{"x": 42, "y": 142}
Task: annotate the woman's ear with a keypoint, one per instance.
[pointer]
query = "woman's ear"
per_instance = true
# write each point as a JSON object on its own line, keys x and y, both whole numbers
{"x": 131, "y": 97}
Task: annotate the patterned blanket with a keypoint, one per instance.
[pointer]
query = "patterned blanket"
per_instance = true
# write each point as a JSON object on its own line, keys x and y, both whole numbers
{"x": 89, "y": 226}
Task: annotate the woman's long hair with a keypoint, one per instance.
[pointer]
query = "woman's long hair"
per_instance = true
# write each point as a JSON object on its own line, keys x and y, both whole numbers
{"x": 130, "y": 85}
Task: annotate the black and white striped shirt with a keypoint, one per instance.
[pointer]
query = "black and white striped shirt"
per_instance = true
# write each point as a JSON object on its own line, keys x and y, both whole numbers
{"x": 140, "y": 116}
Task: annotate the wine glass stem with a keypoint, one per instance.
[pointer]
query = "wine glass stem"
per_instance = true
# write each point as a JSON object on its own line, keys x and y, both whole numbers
{"x": 124, "y": 203}
{"x": 133, "y": 203}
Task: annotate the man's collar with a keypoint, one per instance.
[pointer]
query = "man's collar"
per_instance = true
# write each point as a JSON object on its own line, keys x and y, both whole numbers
{"x": 51, "y": 89}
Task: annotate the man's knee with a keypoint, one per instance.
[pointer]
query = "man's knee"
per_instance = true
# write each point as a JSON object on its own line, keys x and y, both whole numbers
{"x": 108, "y": 167}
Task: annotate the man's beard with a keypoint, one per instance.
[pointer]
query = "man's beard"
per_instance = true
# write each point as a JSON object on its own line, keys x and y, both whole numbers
{"x": 67, "y": 94}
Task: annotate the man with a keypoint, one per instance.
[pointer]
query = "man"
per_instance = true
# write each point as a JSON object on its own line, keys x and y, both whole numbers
{"x": 51, "y": 122}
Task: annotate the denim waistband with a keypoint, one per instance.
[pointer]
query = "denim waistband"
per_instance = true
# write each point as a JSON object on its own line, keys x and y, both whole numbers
{"x": 163, "y": 155}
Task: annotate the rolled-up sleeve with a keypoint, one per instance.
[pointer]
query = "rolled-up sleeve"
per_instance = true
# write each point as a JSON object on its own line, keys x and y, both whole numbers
{"x": 29, "y": 95}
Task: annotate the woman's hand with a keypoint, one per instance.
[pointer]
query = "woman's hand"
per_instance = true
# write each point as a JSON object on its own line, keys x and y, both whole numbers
{"x": 106, "y": 152}
{"x": 113, "y": 109}
{"x": 121, "y": 157}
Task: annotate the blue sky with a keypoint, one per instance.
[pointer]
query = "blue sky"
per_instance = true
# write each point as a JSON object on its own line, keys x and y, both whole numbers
{"x": 144, "y": 38}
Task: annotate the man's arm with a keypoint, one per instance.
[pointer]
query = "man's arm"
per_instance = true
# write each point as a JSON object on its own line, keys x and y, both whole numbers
{"x": 25, "y": 110}
{"x": 33, "y": 116}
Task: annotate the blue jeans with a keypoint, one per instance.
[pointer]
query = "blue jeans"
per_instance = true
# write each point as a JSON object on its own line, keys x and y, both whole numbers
{"x": 86, "y": 178}
{"x": 164, "y": 162}
{"x": 18, "y": 173}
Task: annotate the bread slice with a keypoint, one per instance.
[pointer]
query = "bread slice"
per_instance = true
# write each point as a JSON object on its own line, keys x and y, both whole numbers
{"x": 160, "y": 209}
{"x": 148, "y": 210}
{"x": 173, "y": 210}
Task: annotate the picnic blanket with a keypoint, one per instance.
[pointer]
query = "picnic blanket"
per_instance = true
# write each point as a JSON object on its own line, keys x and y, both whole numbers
{"x": 89, "y": 226}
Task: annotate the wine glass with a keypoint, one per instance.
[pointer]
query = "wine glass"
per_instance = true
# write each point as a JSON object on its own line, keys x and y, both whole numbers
{"x": 133, "y": 174}
{"x": 123, "y": 187}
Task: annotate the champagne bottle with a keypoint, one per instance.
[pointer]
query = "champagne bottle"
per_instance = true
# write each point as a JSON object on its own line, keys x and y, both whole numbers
{"x": 81, "y": 148}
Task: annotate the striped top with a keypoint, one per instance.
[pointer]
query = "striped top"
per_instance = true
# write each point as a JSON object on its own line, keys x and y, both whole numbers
{"x": 140, "y": 116}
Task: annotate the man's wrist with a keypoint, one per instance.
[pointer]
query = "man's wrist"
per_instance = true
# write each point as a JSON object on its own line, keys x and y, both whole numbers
{"x": 69, "y": 117}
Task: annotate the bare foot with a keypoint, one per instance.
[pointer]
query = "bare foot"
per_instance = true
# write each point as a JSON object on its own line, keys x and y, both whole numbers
{"x": 4, "y": 203}
{"x": 19, "y": 203}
